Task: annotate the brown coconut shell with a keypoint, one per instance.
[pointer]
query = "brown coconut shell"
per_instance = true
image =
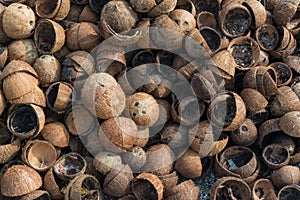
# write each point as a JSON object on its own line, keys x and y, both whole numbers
{"x": 206, "y": 18}
{"x": 83, "y": 186}
{"x": 284, "y": 11}
{"x": 289, "y": 123}
{"x": 20, "y": 180}
{"x": 24, "y": 50}
{"x": 237, "y": 109}
{"x": 238, "y": 46}
{"x": 136, "y": 158}
{"x": 49, "y": 36}
{"x": 186, "y": 190}
{"x": 293, "y": 62}
{"x": 34, "y": 155}
{"x": 275, "y": 156}
{"x": 147, "y": 185}
{"x": 160, "y": 160}
{"x": 232, "y": 14}
{"x": 69, "y": 166}
{"x": 203, "y": 87}
{"x": 2, "y": 102}
{"x": 253, "y": 99}
{"x": 59, "y": 96}
{"x": 35, "y": 116}
{"x": 187, "y": 5}
{"x": 283, "y": 73}
{"x": 184, "y": 19}
{"x": 3, "y": 56}
{"x": 266, "y": 128}
{"x": 83, "y": 36}
{"x": 142, "y": 137}
{"x": 284, "y": 176}
{"x": 225, "y": 63}
{"x": 53, "y": 185}
{"x": 57, "y": 134}
{"x": 262, "y": 188}
{"x": 267, "y": 37}
{"x": 117, "y": 134}
{"x": 218, "y": 145}
{"x": 246, "y": 134}
{"x": 18, "y": 21}
{"x": 289, "y": 192}
{"x": 88, "y": 15}
{"x": 74, "y": 13}
{"x": 3, "y": 37}
{"x": 287, "y": 100}
{"x": 240, "y": 188}
{"x": 196, "y": 46}
{"x": 162, "y": 7}
{"x": 189, "y": 164}
{"x": 48, "y": 69}
{"x": 36, "y": 195}
{"x": 258, "y": 11}
{"x": 36, "y": 97}
{"x": 169, "y": 181}
{"x": 56, "y": 10}
{"x": 144, "y": 6}
{"x": 105, "y": 161}
{"x": 263, "y": 59}
{"x": 286, "y": 141}
{"x": 117, "y": 181}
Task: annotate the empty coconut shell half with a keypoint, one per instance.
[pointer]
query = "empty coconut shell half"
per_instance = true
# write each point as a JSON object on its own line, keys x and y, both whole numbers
{"x": 289, "y": 192}
{"x": 290, "y": 123}
{"x": 186, "y": 190}
{"x": 263, "y": 189}
{"x": 37, "y": 194}
{"x": 284, "y": 73}
{"x": 56, "y": 10}
{"x": 25, "y": 120}
{"x": 275, "y": 156}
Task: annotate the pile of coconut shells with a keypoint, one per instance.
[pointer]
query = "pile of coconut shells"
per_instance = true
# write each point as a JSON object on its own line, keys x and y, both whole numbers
{"x": 84, "y": 116}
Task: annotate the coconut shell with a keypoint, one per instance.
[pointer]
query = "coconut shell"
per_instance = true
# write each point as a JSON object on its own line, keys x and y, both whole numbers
{"x": 187, "y": 5}
{"x": 293, "y": 62}
{"x": 18, "y": 21}
{"x": 206, "y": 18}
{"x": 218, "y": 146}
{"x": 225, "y": 63}
{"x": 289, "y": 192}
{"x": 3, "y": 56}
{"x": 283, "y": 72}
{"x": 184, "y": 19}
{"x": 142, "y": 137}
{"x": 240, "y": 188}
{"x": 24, "y": 50}
{"x": 286, "y": 175}
{"x": 56, "y": 10}
{"x": 287, "y": 100}
{"x": 57, "y": 134}
{"x": 253, "y": 99}
{"x": 2, "y": 102}
{"x": 237, "y": 48}
{"x": 266, "y": 128}
{"x": 147, "y": 186}
{"x": 135, "y": 158}
{"x": 232, "y": 14}
{"x": 160, "y": 160}
{"x": 36, "y": 97}
{"x": 48, "y": 69}
{"x": 286, "y": 141}
{"x": 34, "y": 155}
{"x": 117, "y": 181}
{"x": 267, "y": 37}
{"x": 49, "y": 36}
{"x": 169, "y": 181}
{"x": 3, "y": 37}
{"x": 258, "y": 11}
{"x": 246, "y": 134}
{"x": 88, "y": 15}
{"x": 196, "y": 45}
{"x": 186, "y": 190}
{"x": 284, "y": 11}
{"x": 290, "y": 123}
{"x": 275, "y": 156}
{"x": 92, "y": 143}
{"x": 105, "y": 161}
{"x": 19, "y": 180}
{"x": 59, "y": 96}
{"x": 262, "y": 188}
{"x": 37, "y": 194}
{"x": 51, "y": 185}
{"x": 163, "y": 7}
{"x": 189, "y": 164}
{"x": 263, "y": 59}
{"x": 35, "y": 116}
{"x": 144, "y": 6}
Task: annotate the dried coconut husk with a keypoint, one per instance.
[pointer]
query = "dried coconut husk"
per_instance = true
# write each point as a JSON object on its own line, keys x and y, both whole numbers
{"x": 19, "y": 79}
{"x": 275, "y": 156}
{"x": 163, "y": 7}
{"x": 59, "y": 96}
{"x": 289, "y": 192}
{"x": 83, "y": 36}
{"x": 263, "y": 189}
{"x": 19, "y": 180}
{"x": 186, "y": 190}
{"x": 34, "y": 155}
{"x": 37, "y": 194}
{"x": 258, "y": 11}
{"x": 84, "y": 187}
{"x": 9, "y": 145}
{"x": 267, "y": 37}
{"x": 25, "y": 121}
{"x": 160, "y": 160}
{"x": 189, "y": 164}
{"x": 56, "y": 10}
{"x": 117, "y": 181}
{"x": 283, "y": 73}
{"x": 186, "y": 5}
{"x": 53, "y": 185}
{"x": 206, "y": 18}
{"x": 69, "y": 166}
{"x": 284, "y": 11}
{"x": 229, "y": 117}
{"x": 147, "y": 186}
{"x": 230, "y": 187}
{"x": 49, "y": 36}
{"x": 225, "y": 63}
{"x": 245, "y": 52}
{"x": 231, "y": 17}
{"x": 287, "y": 100}
{"x": 284, "y": 176}
{"x": 169, "y": 181}
{"x": 57, "y": 134}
